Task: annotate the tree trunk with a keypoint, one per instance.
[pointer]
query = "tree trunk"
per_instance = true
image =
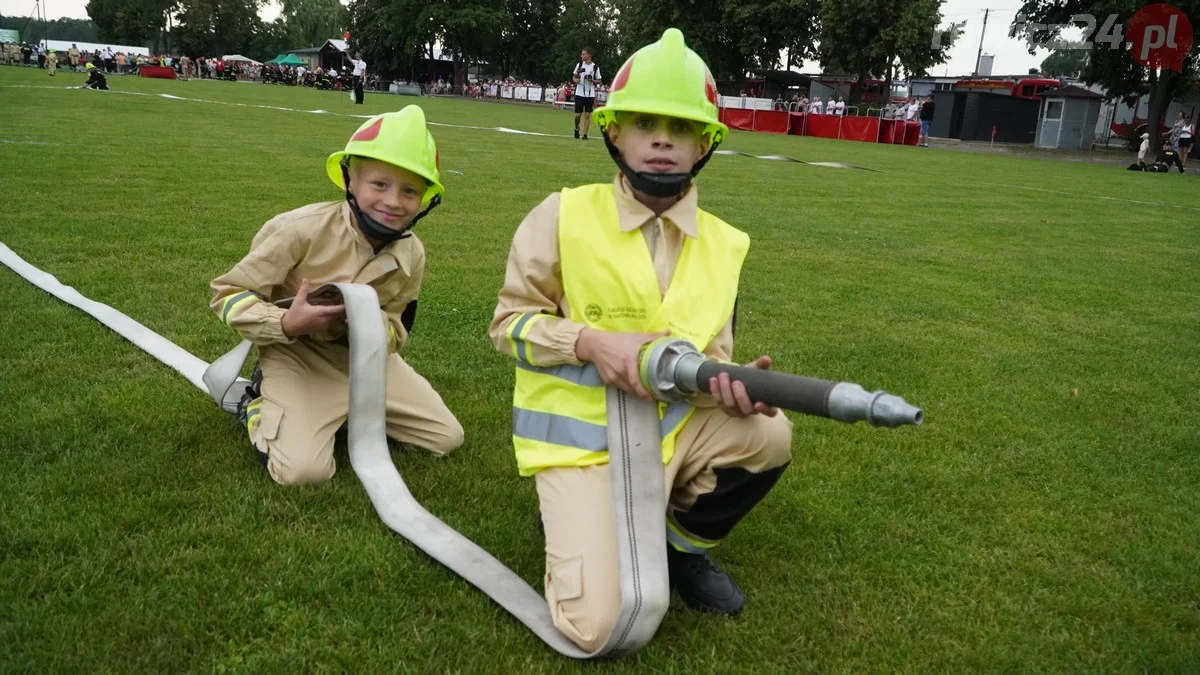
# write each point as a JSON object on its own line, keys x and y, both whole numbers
{"x": 856, "y": 95}
{"x": 1160, "y": 100}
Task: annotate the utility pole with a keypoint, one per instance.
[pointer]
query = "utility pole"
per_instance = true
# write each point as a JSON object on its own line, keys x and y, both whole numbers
{"x": 979, "y": 55}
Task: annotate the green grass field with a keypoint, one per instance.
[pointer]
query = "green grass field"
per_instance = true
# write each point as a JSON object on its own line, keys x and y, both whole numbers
{"x": 1045, "y": 518}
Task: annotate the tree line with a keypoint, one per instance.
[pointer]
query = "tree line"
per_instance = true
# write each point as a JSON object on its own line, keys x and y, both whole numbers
{"x": 540, "y": 40}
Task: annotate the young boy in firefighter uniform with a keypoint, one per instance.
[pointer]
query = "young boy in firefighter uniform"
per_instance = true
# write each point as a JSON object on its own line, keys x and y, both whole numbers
{"x": 595, "y": 273}
{"x": 389, "y": 171}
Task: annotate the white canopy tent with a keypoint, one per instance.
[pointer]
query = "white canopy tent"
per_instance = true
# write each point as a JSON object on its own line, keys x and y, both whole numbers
{"x": 92, "y": 47}
{"x": 242, "y": 59}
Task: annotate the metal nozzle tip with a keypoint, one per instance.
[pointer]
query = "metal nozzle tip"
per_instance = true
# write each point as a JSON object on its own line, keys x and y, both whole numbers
{"x": 893, "y": 411}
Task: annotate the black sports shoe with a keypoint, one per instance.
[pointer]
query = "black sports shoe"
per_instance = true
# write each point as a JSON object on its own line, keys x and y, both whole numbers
{"x": 576, "y": 133}
{"x": 253, "y": 391}
{"x": 584, "y": 137}
{"x": 702, "y": 584}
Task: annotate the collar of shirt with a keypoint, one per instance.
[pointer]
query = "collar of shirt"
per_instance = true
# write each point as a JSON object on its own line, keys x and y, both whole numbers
{"x": 633, "y": 214}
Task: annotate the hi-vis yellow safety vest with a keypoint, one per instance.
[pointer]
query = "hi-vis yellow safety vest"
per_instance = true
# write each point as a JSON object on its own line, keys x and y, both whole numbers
{"x": 559, "y": 413}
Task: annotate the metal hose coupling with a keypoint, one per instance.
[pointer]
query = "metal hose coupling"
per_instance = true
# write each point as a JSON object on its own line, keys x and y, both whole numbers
{"x": 673, "y": 370}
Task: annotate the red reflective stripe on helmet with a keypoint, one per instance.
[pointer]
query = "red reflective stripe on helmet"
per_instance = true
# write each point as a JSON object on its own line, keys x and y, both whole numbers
{"x": 623, "y": 76}
{"x": 370, "y": 132}
{"x": 710, "y": 88}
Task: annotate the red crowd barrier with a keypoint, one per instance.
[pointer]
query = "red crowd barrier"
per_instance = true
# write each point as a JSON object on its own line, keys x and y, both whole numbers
{"x": 771, "y": 121}
{"x": 845, "y": 127}
{"x": 157, "y": 71}
{"x": 739, "y": 119}
{"x": 822, "y": 126}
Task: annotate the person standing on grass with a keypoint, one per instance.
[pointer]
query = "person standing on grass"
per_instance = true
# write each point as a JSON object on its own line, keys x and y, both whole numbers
{"x": 358, "y": 75}
{"x": 52, "y": 62}
{"x": 585, "y": 77}
{"x": 594, "y": 274}
{"x": 1185, "y": 140}
{"x": 1144, "y": 150}
{"x": 298, "y": 396}
{"x": 927, "y": 110}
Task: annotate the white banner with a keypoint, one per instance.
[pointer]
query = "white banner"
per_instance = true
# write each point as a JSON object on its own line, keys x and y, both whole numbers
{"x": 535, "y": 94}
{"x": 550, "y": 95}
{"x": 506, "y": 92}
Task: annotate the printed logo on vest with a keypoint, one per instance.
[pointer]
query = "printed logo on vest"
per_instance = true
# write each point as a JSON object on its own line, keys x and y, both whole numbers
{"x": 637, "y": 313}
{"x": 593, "y": 312}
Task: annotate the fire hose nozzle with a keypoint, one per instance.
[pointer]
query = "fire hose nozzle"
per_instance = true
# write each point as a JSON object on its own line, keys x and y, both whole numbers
{"x": 673, "y": 370}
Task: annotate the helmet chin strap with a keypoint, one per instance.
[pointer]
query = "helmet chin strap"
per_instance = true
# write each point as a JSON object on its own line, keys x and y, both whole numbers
{"x": 373, "y": 229}
{"x": 656, "y": 184}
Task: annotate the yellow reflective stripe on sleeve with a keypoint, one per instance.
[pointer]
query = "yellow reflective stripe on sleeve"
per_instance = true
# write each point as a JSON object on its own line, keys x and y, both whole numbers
{"x": 253, "y": 412}
{"x": 518, "y": 328}
{"x": 234, "y": 301}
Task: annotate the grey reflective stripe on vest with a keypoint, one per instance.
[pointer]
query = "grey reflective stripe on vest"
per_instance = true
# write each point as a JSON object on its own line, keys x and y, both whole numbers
{"x": 638, "y": 490}
{"x": 559, "y": 430}
{"x": 568, "y": 431}
{"x": 673, "y": 416}
{"x": 585, "y": 375}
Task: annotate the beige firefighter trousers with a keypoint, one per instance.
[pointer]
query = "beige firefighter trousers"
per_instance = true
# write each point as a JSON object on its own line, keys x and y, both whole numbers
{"x": 576, "y": 506}
{"x": 305, "y": 400}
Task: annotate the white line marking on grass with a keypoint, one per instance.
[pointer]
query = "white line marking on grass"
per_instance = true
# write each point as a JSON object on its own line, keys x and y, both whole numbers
{"x": 503, "y": 130}
{"x": 173, "y": 97}
{"x": 1080, "y": 194}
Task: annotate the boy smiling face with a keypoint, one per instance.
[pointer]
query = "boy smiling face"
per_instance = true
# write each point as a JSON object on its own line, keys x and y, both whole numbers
{"x": 386, "y": 192}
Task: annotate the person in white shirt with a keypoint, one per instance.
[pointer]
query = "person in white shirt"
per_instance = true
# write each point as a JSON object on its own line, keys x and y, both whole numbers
{"x": 300, "y": 70}
{"x": 585, "y": 77}
{"x": 817, "y": 107}
{"x": 840, "y": 108}
{"x": 359, "y": 75}
{"x": 910, "y": 111}
{"x": 1185, "y": 140}
{"x": 1143, "y": 150}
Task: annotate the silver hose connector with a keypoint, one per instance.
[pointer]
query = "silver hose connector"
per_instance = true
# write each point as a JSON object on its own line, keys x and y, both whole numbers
{"x": 669, "y": 367}
{"x": 849, "y": 402}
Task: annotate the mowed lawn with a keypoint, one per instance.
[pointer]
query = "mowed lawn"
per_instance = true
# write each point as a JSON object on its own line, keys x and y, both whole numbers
{"x": 1044, "y": 314}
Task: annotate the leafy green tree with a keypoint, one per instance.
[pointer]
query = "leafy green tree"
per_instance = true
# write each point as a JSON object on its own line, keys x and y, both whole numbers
{"x": 733, "y": 36}
{"x": 217, "y": 27}
{"x": 311, "y": 22}
{"x": 129, "y": 22}
{"x": 35, "y": 30}
{"x": 880, "y": 38}
{"x": 1065, "y": 63}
